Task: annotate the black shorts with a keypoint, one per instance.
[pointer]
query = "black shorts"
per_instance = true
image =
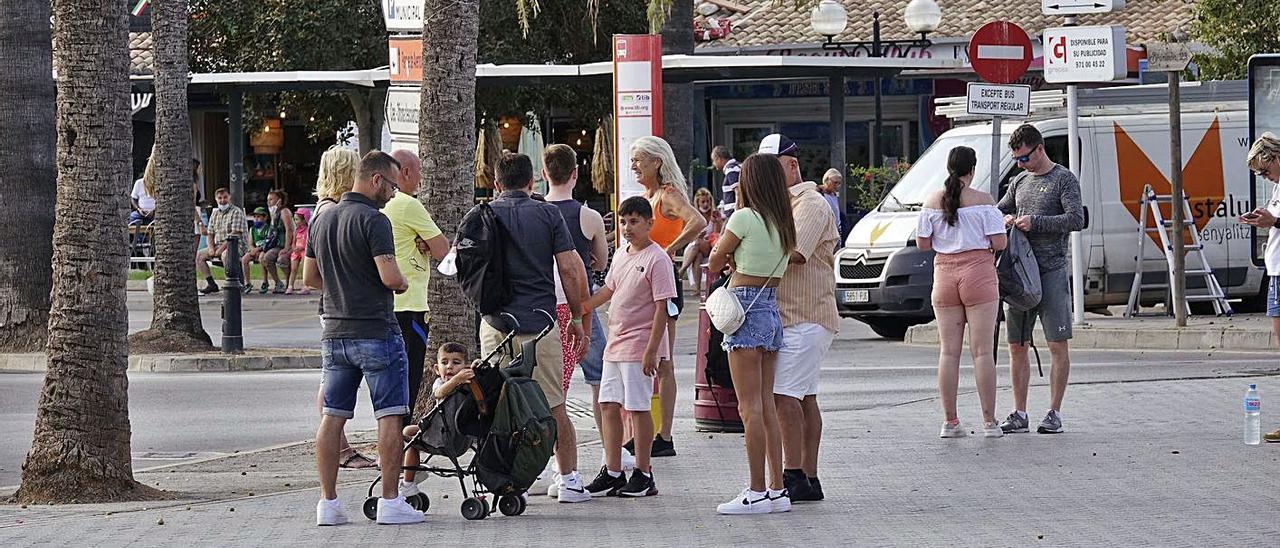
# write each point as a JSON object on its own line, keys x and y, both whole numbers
{"x": 414, "y": 330}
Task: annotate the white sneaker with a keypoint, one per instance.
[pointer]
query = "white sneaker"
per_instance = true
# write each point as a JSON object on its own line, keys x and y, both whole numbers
{"x": 409, "y": 489}
{"x": 779, "y": 501}
{"x": 329, "y": 512}
{"x": 397, "y": 512}
{"x": 542, "y": 484}
{"x": 992, "y": 430}
{"x": 628, "y": 461}
{"x": 952, "y": 431}
{"x": 572, "y": 490}
{"x": 553, "y": 488}
{"x": 749, "y": 502}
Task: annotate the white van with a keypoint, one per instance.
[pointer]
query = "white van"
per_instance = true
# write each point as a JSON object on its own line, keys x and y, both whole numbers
{"x": 882, "y": 279}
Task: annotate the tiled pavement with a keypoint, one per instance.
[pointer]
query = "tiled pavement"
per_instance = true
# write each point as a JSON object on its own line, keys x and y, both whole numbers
{"x": 1155, "y": 463}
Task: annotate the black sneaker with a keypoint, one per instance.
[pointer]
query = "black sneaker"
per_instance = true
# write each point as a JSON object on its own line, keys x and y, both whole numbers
{"x": 640, "y": 485}
{"x": 817, "y": 489}
{"x": 606, "y": 485}
{"x": 797, "y": 483}
{"x": 209, "y": 289}
{"x": 662, "y": 448}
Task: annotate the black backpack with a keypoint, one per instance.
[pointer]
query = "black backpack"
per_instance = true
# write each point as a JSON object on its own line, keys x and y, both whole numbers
{"x": 481, "y": 258}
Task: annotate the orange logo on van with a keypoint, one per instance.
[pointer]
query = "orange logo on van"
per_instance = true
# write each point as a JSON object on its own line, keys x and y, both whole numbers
{"x": 1202, "y": 179}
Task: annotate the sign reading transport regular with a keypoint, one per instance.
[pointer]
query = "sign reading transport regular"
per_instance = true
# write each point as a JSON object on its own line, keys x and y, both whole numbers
{"x": 403, "y": 15}
{"x": 1007, "y": 101}
{"x": 1079, "y": 7}
{"x": 1084, "y": 54}
{"x": 1168, "y": 57}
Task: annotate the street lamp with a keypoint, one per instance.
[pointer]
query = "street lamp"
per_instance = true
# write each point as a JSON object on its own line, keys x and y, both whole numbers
{"x": 829, "y": 18}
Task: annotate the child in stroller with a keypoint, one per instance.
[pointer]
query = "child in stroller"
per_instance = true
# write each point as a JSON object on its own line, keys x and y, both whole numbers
{"x": 468, "y": 402}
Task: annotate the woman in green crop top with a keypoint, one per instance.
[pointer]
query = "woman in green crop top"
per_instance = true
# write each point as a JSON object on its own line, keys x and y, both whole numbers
{"x": 757, "y": 242}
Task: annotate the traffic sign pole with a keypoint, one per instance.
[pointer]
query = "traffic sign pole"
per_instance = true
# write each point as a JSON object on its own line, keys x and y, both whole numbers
{"x": 996, "y": 153}
{"x": 1073, "y": 163}
{"x": 1179, "y": 285}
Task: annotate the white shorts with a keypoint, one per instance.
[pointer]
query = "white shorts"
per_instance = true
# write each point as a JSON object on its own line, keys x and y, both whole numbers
{"x": 626, "y": 383}
{"x": 800, "y": 360}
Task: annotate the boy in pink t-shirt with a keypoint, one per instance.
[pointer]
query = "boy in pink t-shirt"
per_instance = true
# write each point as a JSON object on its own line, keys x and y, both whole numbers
{"x": 639, "y": 283}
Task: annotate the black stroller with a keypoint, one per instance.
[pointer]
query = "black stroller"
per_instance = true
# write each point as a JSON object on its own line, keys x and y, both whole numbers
{"x": 465, "y": 421}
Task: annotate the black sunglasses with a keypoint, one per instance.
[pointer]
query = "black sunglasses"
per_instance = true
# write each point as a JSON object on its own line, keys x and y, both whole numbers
{"x": 1026, "y": 157}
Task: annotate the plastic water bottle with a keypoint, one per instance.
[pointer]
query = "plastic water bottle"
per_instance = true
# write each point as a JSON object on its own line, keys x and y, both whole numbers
{"x": 1252, "y": 416}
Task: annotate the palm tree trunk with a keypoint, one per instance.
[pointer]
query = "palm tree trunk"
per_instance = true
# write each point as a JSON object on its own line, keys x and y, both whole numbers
{"x": 677, "y": 99}
{"x": 175, "y": 322}
{"x": 26, "y": 176}
{"x": 447, "y": 142}
{"x": 80, "y": 451}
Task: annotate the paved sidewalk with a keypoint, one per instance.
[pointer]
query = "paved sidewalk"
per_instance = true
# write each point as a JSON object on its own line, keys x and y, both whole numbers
{"x": 1132, "y": 469}
{"x": 1240, "y": 332}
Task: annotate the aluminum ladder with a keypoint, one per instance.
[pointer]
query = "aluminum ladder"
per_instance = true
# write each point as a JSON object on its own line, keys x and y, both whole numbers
{"x": 1195, "y": 264}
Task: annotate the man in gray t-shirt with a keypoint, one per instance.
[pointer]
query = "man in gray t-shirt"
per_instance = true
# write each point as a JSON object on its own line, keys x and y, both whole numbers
{"x": 1044, "y": 202}
{"x": 351, "y": 257}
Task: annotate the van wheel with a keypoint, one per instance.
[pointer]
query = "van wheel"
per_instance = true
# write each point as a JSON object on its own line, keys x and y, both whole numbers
{"x": 889, "y": 329}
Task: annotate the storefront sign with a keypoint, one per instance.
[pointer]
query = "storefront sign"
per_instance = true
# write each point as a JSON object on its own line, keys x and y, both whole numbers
{"x": 406, "y": 60}
{"x": 1008, "y": 101}
{"x": 637, "y": 103}
{"x": 403, "y": 105}
{"x": 403, "y": 15}
{"x": 1084, "y": 54}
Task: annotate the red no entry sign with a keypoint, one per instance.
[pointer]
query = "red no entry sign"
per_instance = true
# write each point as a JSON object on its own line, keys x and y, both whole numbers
{"x": 1000, "y": 52}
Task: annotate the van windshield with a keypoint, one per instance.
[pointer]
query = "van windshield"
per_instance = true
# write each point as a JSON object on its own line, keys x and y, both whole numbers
{"x": 930, "y": 172}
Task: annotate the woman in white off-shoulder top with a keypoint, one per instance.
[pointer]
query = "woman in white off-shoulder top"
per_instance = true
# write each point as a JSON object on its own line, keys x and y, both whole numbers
{"x": 966, "y": 230}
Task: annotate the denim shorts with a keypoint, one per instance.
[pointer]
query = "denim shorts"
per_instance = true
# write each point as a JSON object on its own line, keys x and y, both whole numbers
{"x": 1273, "y": 297}
{"x": 762, "y": 327}
{"x": 381, "y": 363}
{"x": 592, "y": 364}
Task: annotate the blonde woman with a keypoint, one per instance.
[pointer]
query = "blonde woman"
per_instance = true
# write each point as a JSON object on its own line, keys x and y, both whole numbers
{"x": 675, "y": 224}
{"x": 1264, "y": 161}
{"x": 338, "y": 167}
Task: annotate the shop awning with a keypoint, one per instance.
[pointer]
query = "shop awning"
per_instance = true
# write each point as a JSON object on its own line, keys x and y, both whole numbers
{"x": 676, "y": 68}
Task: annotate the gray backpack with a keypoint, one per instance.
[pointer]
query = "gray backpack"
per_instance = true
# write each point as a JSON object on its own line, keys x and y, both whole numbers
{"x": 1019, "y": 273}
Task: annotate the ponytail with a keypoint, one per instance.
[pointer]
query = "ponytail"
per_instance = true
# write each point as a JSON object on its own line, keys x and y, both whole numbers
{"x": 960, "y": 162}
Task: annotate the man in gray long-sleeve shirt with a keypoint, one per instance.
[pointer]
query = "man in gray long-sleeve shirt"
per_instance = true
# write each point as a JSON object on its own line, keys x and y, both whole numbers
{"x": 1044, "y": 202}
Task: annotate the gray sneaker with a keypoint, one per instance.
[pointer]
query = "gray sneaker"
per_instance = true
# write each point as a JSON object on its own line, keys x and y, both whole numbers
{"x": 1015, "y": 424}
{"x": 1052, "y": 423}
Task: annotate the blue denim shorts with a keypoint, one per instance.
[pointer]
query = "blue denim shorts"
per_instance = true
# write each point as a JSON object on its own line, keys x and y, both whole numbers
{"x": 381, "y": 363}
{"x": 762, "y": 327}
{"x": 1273, "y": 297}
{"x": 592, "y": 364}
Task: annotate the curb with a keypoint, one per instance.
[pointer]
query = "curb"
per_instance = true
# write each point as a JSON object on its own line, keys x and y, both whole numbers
{"x": 185, "y": 363}
{"x": 1109, "y": 338}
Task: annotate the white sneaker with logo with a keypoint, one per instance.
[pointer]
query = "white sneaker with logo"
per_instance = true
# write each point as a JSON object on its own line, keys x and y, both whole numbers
{"x": 397, "y": 512}
{"x": 748, "y": 502}
{"x": 553, "y": 488}
{"x": 779, "y": 501}
{"x": 571, "y": 488}
{"x": 329, "y": 512}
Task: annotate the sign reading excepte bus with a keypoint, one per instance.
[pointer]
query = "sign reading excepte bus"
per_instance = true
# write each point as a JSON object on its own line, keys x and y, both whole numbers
{"x": 1005, "y": 100}
{"x": 1084, "y": 54}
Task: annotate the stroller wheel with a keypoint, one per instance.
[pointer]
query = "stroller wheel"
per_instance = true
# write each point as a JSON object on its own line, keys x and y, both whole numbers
{"x": 524, "y": 504}
{"x": 474, "y": 508}
{"x": 510, "y": 505}
{"x": 420, "y": 502}
{"x": 370, "y": 508}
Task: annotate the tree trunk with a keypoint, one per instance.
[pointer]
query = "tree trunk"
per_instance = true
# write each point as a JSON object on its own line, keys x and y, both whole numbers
{"x": 26, "y": 176}
{"x": 369, "y": 108}
{"x": 677, "y": 99}
{"x": 447, "y": 143}
{"x": 175, "y": 322}
{"x": 80, "y": 451}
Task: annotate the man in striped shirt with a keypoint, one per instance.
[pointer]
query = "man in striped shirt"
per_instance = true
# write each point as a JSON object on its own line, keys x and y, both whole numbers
{"x": 723, "y": 160}
{"x": 806, "y": 298}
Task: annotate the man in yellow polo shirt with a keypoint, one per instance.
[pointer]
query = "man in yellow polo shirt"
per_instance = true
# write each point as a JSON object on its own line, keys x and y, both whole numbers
{"x": 416, "y": 237}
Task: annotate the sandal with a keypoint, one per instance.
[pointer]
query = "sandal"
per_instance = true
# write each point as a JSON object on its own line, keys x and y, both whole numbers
{"x": 356, "y": 461}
